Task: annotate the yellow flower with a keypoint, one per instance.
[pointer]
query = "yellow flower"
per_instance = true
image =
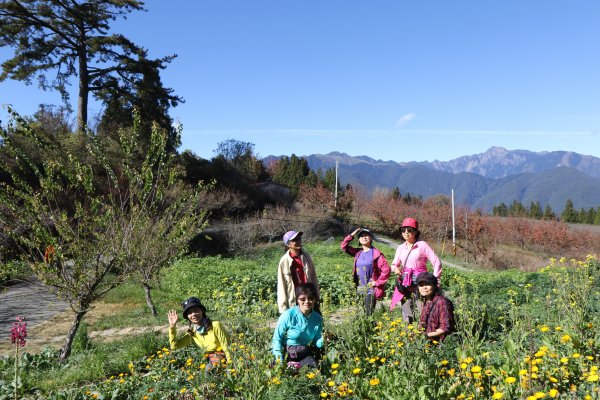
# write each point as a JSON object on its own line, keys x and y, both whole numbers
{"x": 476, "y": 369}
{"x": 463, "y": 366}
{"x": 576, "y": 355}
{"x": 451, "y": 371}
{"x": 510, "y": 379}
{"x": 182, "y": 390}
{"x": 539, "y": 395}
{"x": 553, "y": 393}
{"x": 310, "y": 375}
{"x": 592, "y": 378}
{"x": 356, "y": 371}
{"x": 374, "y": 381}
{"x": 323, "y": 395}
{"x": 331, "y": 383}
{"x": 565, "y": 339}
{"x": 497, "y": 395}
{"x": 564, "y": 360}
{"x": 334, "y": 366}
{"x": 444, "y": 362}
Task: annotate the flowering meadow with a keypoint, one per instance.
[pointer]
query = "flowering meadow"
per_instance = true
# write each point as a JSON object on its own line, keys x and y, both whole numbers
{"x": 520, "y": 336}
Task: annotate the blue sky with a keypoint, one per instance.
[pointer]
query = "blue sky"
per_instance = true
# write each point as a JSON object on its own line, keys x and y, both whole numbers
{"x": 393, "y": 80}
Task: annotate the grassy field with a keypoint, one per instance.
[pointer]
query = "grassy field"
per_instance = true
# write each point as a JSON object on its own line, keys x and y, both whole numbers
{"x": 521, "y": 335}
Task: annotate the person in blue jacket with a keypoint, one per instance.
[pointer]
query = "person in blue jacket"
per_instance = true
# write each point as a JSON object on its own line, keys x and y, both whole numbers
{"x": 299, "y": 330}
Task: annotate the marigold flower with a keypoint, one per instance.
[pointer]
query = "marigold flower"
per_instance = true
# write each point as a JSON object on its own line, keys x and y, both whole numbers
{"x": 510, "y": 379}
{"x": 497, "y": 395}
{"x": 553, "y": 393}
{"x": 565, "y": 339}
{"x": 476, "y": 369}
{"x": 374, "y": 381}
{"x": 356, "y": 371}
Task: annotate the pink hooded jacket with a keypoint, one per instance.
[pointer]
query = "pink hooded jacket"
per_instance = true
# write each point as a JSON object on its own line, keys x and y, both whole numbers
{"x": 381, "y": 269}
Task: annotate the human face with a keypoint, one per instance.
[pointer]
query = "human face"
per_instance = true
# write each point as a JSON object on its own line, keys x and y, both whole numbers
{"x": 306, "y": 303}
{"x": 426, "y": 290}
{"x": 195, "y": 315}
{"x": 409, "y": 234}
{"x": 365, "y": 240}
{"x": 296, "y": 243}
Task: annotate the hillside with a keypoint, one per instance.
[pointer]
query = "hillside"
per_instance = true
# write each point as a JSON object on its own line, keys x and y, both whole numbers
{"x": 481, "y": 180}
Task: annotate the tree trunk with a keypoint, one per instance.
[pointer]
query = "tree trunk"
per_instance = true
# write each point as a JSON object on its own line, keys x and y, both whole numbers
{"x": 84, "y": 90}
{"x": 147, "y": 291}
{"x": 65, "y": 352}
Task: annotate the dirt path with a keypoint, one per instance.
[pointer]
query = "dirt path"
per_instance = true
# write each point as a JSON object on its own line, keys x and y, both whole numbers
{"x": 29, "y": 299}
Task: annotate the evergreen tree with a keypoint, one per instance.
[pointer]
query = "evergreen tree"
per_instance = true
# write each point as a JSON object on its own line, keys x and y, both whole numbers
{"x": 292, "y": 172}
{"x": 590, "y": 216}
{"x": 597, "y": 217}
{"x": 60, "y": 39}
{"x": 146, "y": 96}
{"x": 396, "y": 193}
{"x": 517, "y": 209}
{"x": 500, "y": 210}
{"x": 569, "y": 214}
{"x": 535, "y": 210}
{"x": 548, "y": 213}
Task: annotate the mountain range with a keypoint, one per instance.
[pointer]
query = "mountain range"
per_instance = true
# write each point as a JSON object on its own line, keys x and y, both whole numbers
{"x": 480, "y": 181}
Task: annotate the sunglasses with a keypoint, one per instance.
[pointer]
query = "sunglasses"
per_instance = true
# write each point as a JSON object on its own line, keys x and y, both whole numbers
{"x": 405, "y": 230}
{"x": 306, "y": 299}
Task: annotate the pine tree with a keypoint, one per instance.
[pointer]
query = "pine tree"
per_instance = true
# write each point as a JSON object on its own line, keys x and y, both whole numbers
{"x": 569, "y": 214}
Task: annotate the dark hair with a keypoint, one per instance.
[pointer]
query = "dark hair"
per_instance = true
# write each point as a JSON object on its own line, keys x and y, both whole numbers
{"x": 307, "y": 289}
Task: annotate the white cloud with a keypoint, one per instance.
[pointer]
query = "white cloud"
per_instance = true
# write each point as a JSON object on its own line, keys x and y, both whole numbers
{"x": 403, "y": 120}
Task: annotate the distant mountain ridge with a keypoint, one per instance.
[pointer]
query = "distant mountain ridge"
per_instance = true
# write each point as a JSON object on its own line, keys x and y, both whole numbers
{"x": 481, "y": 180}
{"x": 498, "y": 162}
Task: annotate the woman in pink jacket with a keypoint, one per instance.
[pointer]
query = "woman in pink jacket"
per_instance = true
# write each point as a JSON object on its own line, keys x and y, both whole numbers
{"x": 411, "y": 260}
{"x": 371, "y": 270}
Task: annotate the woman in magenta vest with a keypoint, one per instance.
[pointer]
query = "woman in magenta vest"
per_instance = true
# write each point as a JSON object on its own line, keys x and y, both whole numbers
{"x": 371, "y": 270}
{"x": 410, "y": 261}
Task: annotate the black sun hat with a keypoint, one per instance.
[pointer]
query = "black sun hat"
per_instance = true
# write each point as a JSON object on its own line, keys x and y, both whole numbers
{"x": 190, "y": 303}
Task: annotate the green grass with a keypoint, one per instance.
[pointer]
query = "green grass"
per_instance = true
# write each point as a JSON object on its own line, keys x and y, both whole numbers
{"x": 504, "y": 317}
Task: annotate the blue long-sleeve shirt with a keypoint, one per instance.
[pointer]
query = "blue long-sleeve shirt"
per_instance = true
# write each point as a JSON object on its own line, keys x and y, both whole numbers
{"x": 294, "y": 329}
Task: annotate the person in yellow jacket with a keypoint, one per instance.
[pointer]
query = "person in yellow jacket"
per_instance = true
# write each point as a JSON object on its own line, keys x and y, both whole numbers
{"x": 209, "y": 335}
